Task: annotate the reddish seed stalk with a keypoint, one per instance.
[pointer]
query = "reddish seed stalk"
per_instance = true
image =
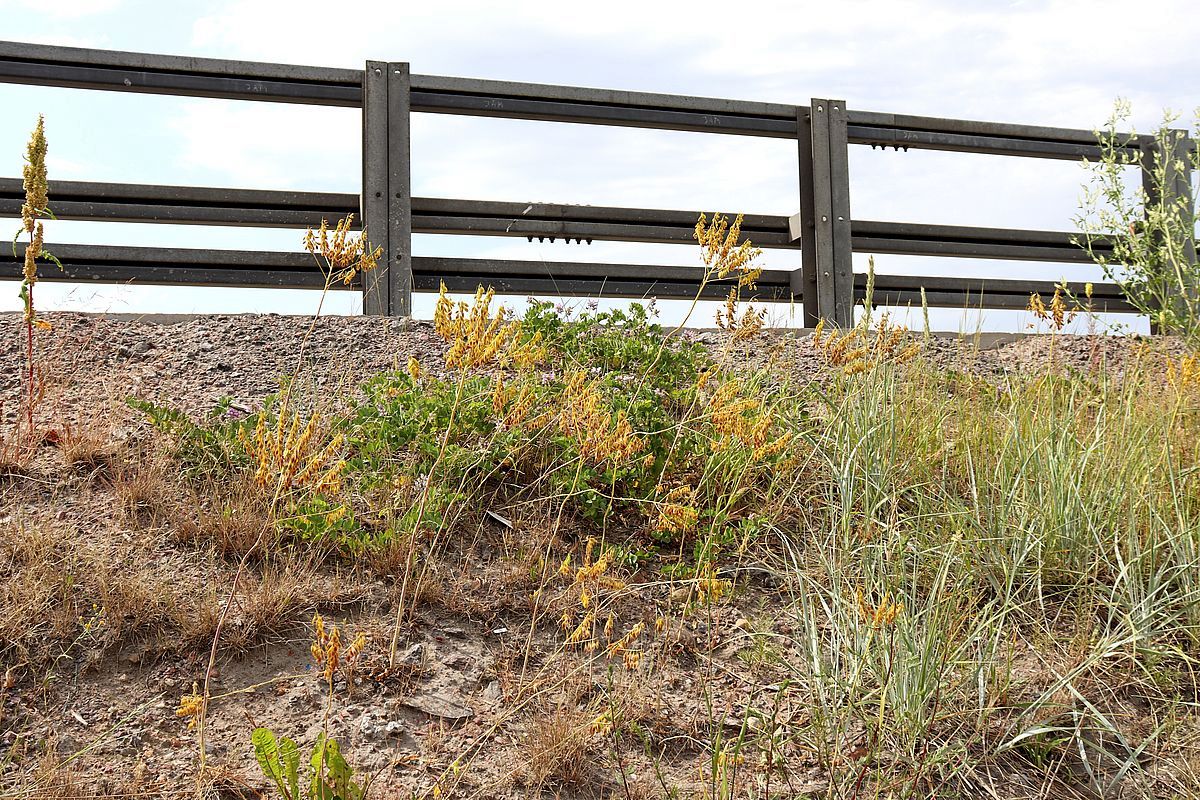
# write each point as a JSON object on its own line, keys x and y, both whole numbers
{"x": 29, "y": 355}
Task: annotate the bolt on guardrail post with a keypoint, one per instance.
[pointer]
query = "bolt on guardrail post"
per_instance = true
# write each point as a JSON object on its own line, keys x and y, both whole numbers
{"x": 1174, "y": 157}
{"x": 827, "y": 271}
{"x": 387, "y": 193}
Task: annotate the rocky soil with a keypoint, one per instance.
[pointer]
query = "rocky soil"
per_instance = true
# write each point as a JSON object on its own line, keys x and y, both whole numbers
{"x": 195, "y": 362}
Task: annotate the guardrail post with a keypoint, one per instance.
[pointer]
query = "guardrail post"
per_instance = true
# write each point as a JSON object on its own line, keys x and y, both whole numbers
{"x": 387, "y": 192}
{"x": 802, "y": 226}
{"x": 1174, "y": 157}
{"x": 400, "y": 287}
{"x": 827, "y": 271}
{"x": 376, "y": 192}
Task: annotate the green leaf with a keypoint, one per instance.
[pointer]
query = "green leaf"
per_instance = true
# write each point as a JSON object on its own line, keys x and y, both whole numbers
{"x": 332, "y": 776}
{"x": 279, "y": 760}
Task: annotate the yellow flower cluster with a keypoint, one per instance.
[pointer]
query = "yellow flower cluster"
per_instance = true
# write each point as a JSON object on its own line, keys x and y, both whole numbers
{"x": 878, "y": 616}
{"x": 286, "y": 459}
{"x": 511, "y": 405}
{"x": 750, "y": 324}
{"x": 1185, "y": 373}
{"x": 34, "y": 177}
{"x": 96, "y": 621}
{"x": 477, "y": 337}
{"x": 328, "y": 652}
{"x": 583, "y": 630}
{"x": 710, "y": 588}
{"x": 602, "y": 436}
{"x": 722, "y": 254}
{"x": 1057, "y": 313}
{"x": 602, "y": 725}
{"x": 621, "y": 645}
{"x": 190, "y": 706}
{"x": 344, "y": 255}
{"x": 677, "y": 512}
{"x": 414, "y": 369}
{"x": 859, "y": 350}
{"x": 591, "y": 577}
{"x": 738, "y": 418}
{"x": 594, "y": 572}
{"x": 727, "y": 408}
{"x": 725, "y": 766}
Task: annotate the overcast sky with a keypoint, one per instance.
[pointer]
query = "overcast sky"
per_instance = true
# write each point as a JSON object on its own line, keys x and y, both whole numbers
{"x": 1054, "y": 63}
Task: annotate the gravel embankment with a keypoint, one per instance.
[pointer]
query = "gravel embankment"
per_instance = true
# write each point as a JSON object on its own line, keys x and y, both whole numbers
{"x": 194, "y": 362}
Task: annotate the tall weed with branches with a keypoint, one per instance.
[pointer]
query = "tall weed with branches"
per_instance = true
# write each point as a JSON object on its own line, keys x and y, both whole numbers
{"x": 35, "y": 207}
{"x": 1151, "y": 229}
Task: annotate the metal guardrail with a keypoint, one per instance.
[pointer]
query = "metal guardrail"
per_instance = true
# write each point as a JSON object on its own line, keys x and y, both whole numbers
{"x": 823, "y": 230}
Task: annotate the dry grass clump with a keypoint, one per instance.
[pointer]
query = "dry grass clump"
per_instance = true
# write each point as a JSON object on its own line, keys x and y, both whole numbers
{"x": 56, "y": 778}
{"x": 267, "y": 607}
{"x": 143, "y": 490}
{"x": 235, "y": 520}
{"x": 556, "y": 742}
{"x": 84, "y": 447}
{"x": 64, "y": 598}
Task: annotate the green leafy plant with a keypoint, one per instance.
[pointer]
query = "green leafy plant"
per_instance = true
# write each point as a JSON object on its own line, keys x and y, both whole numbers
{"x": 330, "y": 777}
{"x": 208, "y": 450}
{"x": 1143, "y": 237}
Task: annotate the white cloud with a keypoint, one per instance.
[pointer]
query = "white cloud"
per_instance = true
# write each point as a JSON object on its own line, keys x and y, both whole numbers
{"x": 269, "y": 146}
{"x": 63, "y": 9}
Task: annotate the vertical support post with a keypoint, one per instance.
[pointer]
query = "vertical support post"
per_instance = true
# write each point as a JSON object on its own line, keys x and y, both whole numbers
{"x": 839, "y": 189}
{"x": 822, "y": 231}
{"x": 803, "y": 226}
{"x": 827, "y": 272}
{"x": 376, "y": 193}
{"x": 1167, "y": 182}
{"x": 399, "y": 233}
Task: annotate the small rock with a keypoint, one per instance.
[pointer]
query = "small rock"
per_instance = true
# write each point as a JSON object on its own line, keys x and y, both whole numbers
{"x": 459, "y": 662}
{"x": 132, "y": 744}
{"x": 302, "y": 698}
{"x": 492, "y": 693}
{"x": 414, "y": 656}
{"x": 370, "y": 727}
{"x": 140, "y": 347}
{"x": 438, "y": 706}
